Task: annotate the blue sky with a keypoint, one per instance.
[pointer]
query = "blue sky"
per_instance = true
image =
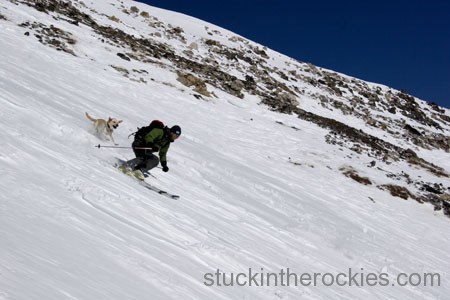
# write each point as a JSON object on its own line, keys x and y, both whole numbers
{"x": 401, "y": 44}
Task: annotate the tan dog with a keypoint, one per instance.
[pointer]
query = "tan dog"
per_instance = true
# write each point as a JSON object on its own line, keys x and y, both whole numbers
{"x": 105, "y": 127}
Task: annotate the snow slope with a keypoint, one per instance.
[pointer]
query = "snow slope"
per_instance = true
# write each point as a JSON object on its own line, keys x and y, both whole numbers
{"x": 73, "y": 227}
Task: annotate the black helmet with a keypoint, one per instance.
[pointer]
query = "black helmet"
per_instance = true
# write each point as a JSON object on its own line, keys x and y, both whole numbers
{"x": 176, "y": 129}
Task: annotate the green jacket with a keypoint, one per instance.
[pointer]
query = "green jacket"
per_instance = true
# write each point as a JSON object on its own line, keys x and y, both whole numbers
{"x": 160, "y": 138}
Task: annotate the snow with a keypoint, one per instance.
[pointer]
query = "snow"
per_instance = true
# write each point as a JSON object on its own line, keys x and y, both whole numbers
{"x": 73, "y": 227}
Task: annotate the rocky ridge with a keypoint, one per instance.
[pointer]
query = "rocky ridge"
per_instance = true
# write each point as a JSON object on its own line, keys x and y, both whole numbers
{"x": 408, "y": 123}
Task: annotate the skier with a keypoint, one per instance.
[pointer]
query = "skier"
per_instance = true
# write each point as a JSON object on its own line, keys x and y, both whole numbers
{"x": 154, "y": 138}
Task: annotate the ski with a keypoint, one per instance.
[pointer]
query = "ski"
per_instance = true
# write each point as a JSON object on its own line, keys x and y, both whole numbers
{"x": 119, "y": 162}
{"x": 158, "y": 190}
{"x": 148, "y": 185}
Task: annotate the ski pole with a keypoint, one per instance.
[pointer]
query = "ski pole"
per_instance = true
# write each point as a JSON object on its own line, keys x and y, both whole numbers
{"x": 116, "y": 147}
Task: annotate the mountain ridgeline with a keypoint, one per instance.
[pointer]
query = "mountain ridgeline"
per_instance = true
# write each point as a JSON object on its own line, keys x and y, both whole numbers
{"x": 387, "y": 125}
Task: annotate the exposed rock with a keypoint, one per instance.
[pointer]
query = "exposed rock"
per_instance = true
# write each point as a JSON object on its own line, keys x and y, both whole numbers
{"x": 190, "y": 80}
{"x": 134, "y": 9}
{"x": 348, "y": 171}
{"x": 397, "y": 191}
{"x": 123, "y": 56}
{"x": 392, "y": 110}
{"x": 53, "y": 36}
{"x": 412, "y": 130}
{"x": 193, "y": 46}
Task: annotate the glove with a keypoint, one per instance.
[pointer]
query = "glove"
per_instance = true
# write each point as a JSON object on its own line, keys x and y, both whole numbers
{"x": 152, "y": 148}
{"x": 165, "y": 168}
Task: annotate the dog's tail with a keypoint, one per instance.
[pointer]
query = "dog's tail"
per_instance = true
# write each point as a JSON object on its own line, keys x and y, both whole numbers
{"x": 90, "y": 118}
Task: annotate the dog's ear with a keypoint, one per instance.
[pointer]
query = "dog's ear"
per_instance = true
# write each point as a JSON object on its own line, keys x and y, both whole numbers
{"x": 109, "y": 119}
{"x": 120, "y": 121}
